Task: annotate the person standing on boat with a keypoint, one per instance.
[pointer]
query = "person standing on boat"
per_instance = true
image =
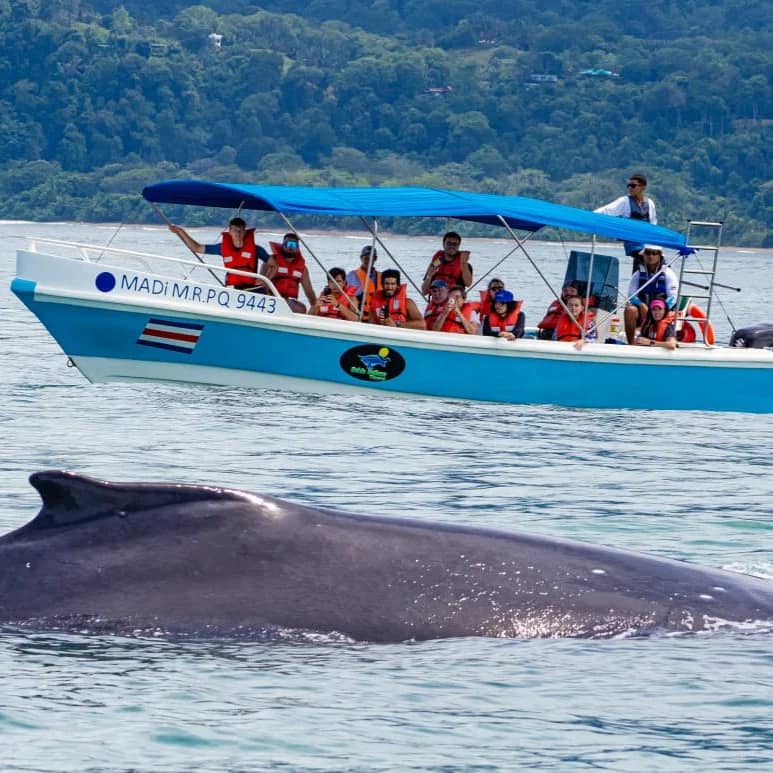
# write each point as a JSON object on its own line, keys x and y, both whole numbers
{"x": 286, "y": 268}
{"x": 336, "y": 300}
{"x": 357, "y": 279}
{"x": 505, "y": 319}
{"x": 391, "y": 305}
{"x": 658, "y": 328}
{"x": 237, "y": 248}
{"x": 449, "y": 264}
{"x": 636, "y": 206}
{"x": 653, "y": 280}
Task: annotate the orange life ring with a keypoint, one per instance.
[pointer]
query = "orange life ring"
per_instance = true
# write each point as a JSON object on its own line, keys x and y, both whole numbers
{"x": 688, "y": 331}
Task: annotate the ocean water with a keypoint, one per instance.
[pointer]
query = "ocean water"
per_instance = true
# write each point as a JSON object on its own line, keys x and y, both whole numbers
{"x": 685, "y": 485}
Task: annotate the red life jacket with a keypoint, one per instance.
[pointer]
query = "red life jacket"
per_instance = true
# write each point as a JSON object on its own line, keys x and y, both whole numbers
{"x": 507, "y": 323}
{"x": 566, "y": 328}
{"x": 396, "y": 307}
{"x": 452, "y": 323}
{"x": 484, "y": 307}
{"x": 367, "y": 289}
{"x": 659, "y": 328}
{"x": 244, "y": 258}
{"x": 432, "y": 312}
{"x": 450, "y": 271}
{"x": 330, "y": 310}
{"x": 288, "y": 273}
{"x": 549, "y": 321}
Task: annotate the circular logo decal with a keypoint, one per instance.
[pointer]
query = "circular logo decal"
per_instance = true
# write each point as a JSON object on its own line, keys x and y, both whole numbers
{"x": 105, "y": 281}
{"x": 372, "y": 362}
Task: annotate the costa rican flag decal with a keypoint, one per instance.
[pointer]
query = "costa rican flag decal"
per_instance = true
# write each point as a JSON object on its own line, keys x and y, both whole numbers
{"x": 175, "y": 336}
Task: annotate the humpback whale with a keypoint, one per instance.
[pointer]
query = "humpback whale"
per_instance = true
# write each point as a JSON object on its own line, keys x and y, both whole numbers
{"x": 134, "y": 558}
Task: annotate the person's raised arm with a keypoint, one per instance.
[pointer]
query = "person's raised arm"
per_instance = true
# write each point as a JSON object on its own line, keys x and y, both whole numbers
{"x": 187, "y": 239}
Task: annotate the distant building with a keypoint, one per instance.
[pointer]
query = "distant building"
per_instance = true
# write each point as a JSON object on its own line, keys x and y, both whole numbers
{"x": 215, "y": 39}
{"x": 543, "y": 77}
{"x": 597, "y": 72}
{"x": 439, "y": 90}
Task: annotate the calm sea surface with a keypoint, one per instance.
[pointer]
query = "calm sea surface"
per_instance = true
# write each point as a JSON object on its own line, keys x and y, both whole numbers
{"x": 693, "y": 486}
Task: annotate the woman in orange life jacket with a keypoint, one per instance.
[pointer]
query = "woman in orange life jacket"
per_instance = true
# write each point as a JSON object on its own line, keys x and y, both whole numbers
{"x": 286, "y": 268}
{"x": 391, "y": 306}
{"x": 569, "y": 326}
{"x": 658, "y": 327}
{"x": 449, "y": 264}
{"x": 336, "y": 301}
{"x": 547, "y": 324}
{"x": 456, "y": 316}
{"x": 238, "y": 250}
{"x": 505, "y": 320}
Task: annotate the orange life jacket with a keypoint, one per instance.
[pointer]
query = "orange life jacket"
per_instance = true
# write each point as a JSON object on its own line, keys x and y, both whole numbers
{"x": 452, "y": 323}
{"x": 289, "y": 273}
{"x": 549, "y": 321}
{"x": 395, "y": 308}
{"x": 244, "y": 258}
{"x": 432, "y": 312}
{"x": 567, "y": 329}
{"x": 507, "y": 323}
{"x": 330, "y": 310}
{"x": 366, "y": 283}
{"x": 450, "y": 271}
{"x": 658, "y": 328}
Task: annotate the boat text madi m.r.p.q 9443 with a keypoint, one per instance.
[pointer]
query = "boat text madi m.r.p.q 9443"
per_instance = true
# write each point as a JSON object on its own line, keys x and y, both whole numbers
{"x": 122, "y": 315}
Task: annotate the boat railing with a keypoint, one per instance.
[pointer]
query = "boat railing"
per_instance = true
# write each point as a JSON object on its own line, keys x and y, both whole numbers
{"x": 92, "y": 253}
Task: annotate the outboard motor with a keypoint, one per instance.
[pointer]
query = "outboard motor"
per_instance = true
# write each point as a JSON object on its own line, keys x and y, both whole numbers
{"x": 754, "y": 337}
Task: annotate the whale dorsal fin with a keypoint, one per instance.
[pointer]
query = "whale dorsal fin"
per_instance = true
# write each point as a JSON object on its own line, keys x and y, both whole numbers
{"x": 69, "y": 498}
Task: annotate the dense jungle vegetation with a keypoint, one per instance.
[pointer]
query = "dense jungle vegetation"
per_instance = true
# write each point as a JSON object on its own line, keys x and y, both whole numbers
{"x": 558, "y": 99}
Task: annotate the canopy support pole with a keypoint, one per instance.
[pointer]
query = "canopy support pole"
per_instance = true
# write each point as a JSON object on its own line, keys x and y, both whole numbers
{"x": 521, "y": 243}
{"x": 377, "y": 239}
{"x": 193, "y": 252}
{"x": 306, "y": 246}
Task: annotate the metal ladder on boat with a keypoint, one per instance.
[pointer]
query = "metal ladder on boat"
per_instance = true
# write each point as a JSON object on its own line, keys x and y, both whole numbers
{"x": 701, "y": 279}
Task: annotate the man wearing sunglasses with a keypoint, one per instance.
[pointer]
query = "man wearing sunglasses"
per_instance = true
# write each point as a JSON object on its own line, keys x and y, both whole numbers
{"x": 286, "y": 268}
{"x": 637, "y": 206}
{"x": 655, "y": 280}
{"x": 238, "y": 249}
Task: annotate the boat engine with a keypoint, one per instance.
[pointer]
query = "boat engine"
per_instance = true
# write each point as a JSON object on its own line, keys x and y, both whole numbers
{"x": 754, "y": 337}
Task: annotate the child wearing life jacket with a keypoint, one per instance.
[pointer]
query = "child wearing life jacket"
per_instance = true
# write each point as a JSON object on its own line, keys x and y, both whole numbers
{"x": 570, "y": 326}
{"x": 505, "y": 319}
{"x": 658, "y": 328}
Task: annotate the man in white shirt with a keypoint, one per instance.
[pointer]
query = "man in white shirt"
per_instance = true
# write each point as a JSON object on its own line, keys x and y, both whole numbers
{"x": 636, "y": 206}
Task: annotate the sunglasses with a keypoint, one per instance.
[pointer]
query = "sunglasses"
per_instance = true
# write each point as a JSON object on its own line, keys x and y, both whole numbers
{"x": 291, "y": 244}
{"x": 633, "y": 185}
{"x": 652, "y": 252}
{"x": 497, "y": 287}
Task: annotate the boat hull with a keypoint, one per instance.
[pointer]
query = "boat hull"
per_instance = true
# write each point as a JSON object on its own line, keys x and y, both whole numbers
{"x": 129, "y": 333}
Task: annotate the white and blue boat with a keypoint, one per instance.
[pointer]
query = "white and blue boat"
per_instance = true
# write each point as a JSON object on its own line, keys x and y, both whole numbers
{"x": 122, "y": 315}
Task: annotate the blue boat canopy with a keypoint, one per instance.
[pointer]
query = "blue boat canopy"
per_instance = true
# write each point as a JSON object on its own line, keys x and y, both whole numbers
{"x": 519, "y": 213}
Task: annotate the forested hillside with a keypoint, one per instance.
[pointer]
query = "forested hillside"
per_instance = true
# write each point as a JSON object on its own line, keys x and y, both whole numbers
{"x": 554, "y": 99}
